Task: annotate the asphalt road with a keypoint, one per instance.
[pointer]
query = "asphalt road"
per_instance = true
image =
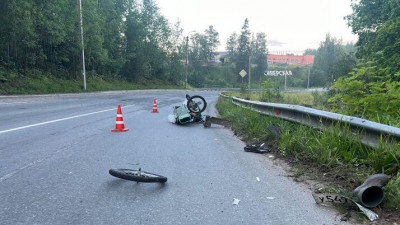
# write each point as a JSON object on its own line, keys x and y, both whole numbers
{"x": 55, "y": 153}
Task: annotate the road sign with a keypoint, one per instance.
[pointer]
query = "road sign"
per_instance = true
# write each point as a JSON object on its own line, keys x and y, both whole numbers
{"x": 243, "y": 73}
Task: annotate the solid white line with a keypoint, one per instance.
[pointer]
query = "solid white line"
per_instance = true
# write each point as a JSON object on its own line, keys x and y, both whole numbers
{"x": 10, "y": 103}
{"x": 58, "y": 120}
{"x": 5, "y": 177}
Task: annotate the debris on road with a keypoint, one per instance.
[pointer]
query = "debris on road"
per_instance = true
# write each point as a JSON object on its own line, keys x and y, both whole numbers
{"x": 326, "y": 199}
{"x": 275, "y": 130}
{"x": 257, "y": 148}
{"x": 209, "y": 120}
{"x": 171, "y": 118}
{"x": 235, "y": 201}
{"x": 257, "y": 178}
{"x": 370, "y": 193}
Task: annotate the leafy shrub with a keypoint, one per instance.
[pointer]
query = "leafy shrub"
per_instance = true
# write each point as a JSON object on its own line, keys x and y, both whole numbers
{"x": 270, "y": 92}
{"x": 320, "y": 99}
{"x": 370, "y": 92}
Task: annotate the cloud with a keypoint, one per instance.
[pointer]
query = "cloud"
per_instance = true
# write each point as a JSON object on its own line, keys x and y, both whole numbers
{"x": 275, "y": 43}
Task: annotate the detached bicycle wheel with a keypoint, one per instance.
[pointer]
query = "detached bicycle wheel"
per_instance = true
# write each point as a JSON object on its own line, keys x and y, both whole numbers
{"x": 196, "y": 104}
{"x": 137, "y": 175}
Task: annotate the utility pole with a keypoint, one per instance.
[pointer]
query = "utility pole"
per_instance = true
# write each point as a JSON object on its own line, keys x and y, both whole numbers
{"x": 308, "y": 77}
{"x": 186, "y": 62}
{"x": 285, "y": 75}
{"x": 187, "y": 58}
{"x": 83, "y": 48}
{"x": 249, "y": 70}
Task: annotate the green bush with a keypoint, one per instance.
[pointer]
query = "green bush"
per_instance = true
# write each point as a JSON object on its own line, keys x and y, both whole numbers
{"x": 370, "y": 92}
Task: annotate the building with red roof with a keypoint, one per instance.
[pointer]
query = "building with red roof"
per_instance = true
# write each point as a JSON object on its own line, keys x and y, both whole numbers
{"x": 305, "y": 60}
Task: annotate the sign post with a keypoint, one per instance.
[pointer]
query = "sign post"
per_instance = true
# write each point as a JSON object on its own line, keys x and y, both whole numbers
{"x": 249, "y": 71}
{"x": 242, "y": 73}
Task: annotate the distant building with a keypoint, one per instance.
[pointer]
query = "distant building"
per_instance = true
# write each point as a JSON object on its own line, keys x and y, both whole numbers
{"x": 221, "y": 57}
{"x": 304, "y": 60}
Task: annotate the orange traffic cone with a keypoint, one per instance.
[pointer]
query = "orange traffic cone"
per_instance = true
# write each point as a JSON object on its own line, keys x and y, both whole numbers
{"x": 119, "y": 123}
{"x": 155, "y": 110}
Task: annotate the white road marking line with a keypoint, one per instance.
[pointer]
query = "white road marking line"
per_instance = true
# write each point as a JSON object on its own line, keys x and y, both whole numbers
{"x": 11, "y": 103}
{"x": 58, "y": 120}
{"x": 9, "y": 175}
{"x": 5, "y": 177}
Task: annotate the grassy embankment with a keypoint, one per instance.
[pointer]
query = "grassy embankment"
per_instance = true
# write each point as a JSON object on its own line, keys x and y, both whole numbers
{"x": 17, "y": 84}
{"x": 329, "y": 155}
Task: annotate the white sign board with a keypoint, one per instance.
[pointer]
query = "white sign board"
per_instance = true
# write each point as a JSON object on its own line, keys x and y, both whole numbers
{"x": 243, "y": 73}
{"x": 275, "y": 73}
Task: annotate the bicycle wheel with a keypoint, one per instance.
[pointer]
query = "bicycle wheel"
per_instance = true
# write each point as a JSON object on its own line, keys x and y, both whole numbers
{"x": 196, "y": 104}
{"x": 137, "y": 175}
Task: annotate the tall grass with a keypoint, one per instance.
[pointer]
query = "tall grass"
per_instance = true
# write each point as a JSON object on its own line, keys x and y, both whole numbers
{"x": 316, "y": 100}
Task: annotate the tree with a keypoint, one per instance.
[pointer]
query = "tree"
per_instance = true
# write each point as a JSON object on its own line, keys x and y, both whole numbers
{"x": 371, "y": 88}
{"x": 260, "y": 54}
{"x": 113, "y": 13}
{"x": 369, "y": 92}
{"x": 148, "y": 36}
{"x": 310, "y": 51}
{"x": 367, "y": 17}
{"x": 201, "y": 55}
{"x": 20, "y": 39}
{"x": 7, "y": 33}
{"x": 385, "y": 47}
{"x": 243, "y": 51}
{"x": 44, "y": 36}
{"x": 204, "y": 46}
{"x": 176, "y": 50}
{"x": 346, "y": 60}
{"x": 212, "y": 39}
{"x": 232, "y": 44}
{"x": 323, "y": 72}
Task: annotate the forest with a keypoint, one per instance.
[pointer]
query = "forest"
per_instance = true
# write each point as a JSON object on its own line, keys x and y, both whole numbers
{"x": 122, "y": 39}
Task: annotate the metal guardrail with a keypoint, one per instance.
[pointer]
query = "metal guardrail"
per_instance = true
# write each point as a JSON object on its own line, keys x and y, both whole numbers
{"x": 261, "y": 90}
{"x": 371, "y": 133}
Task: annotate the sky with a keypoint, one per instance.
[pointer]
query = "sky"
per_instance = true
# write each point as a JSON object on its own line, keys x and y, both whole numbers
{"x": 290, "y": 25}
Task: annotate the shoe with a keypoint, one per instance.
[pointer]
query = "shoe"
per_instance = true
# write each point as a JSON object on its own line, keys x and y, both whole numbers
{"x": 262, "y": 150}
{"x": 257, "y": 148}
{"x": 250, "y": 148}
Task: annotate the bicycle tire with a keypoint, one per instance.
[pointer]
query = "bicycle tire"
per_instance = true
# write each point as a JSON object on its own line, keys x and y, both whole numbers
{"x": 195, "y": 108}
{"x": 133, "y": 175}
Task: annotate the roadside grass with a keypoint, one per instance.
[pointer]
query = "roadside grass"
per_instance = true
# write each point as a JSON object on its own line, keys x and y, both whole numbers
{"x": 316, "y": 100}
{"x": 295, "y": 98}
{"x": 334, "y": 155}
{"x": 37, "y": 83}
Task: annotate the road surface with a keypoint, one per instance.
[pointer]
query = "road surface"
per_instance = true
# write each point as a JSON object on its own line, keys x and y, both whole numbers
{"x": 56, "y": 150}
